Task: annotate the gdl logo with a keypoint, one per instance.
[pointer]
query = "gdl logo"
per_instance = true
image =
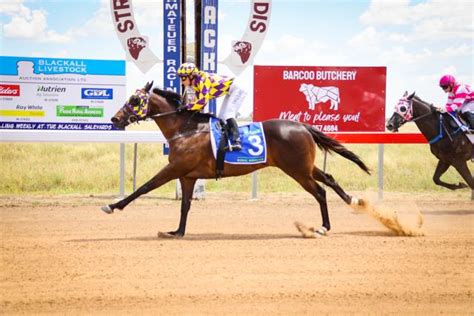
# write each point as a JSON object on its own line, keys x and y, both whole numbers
{"x": 96, "y": 93}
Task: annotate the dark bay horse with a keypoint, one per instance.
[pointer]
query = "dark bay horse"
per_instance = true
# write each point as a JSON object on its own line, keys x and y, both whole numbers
{"x": 447, "y": 142}
{"x": 291, "y": 146}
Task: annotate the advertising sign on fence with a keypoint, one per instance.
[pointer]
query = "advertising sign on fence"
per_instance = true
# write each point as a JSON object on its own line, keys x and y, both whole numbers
{"x": 59, "y": 93}
{"x": 333, "y": 99}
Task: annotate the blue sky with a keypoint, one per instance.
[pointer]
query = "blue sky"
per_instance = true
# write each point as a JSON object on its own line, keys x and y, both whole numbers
{"x": 417, "y": 41}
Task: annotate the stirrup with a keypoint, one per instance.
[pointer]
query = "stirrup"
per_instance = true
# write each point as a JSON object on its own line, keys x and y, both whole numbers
{"x": 235, "y": 147}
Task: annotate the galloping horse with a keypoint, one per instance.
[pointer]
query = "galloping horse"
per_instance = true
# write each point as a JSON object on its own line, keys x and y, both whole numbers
{"x": 290, "y": 147}
{"x": 447, "y": 142}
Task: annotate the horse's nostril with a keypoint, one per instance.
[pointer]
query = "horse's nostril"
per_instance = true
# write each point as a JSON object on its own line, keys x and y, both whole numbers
{"x": 114, "y": 119}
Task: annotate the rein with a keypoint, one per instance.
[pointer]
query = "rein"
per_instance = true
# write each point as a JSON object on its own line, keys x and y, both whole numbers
{"x": 163, "y": 114}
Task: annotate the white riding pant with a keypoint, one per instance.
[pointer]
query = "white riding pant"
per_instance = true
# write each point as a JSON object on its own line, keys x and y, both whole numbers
{"x": 467, "y": 107}
{"x": 232, "y": 102}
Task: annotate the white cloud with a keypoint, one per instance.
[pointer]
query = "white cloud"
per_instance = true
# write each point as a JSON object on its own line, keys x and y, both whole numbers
{"x": 457, "y": 51}
{"x": 369, "y": 38}
{"x": 433, "y": 19}
{"x": 398, "y": 55}
{"x": 29, "y": 24}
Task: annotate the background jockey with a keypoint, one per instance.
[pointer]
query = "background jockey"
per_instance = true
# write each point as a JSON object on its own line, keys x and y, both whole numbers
{"x": 460, "y": 97}
{"x": 209, "y": 86}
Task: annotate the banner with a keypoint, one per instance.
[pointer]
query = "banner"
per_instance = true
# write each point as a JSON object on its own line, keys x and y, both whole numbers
{"x": 244, "y": 50}
{"x": 59, "y": 93}
{"x": 333, "y": 99}
{"x": 135, "y": 45}
{"x": 209, "y": 21}
{"x": 171, "y": 44}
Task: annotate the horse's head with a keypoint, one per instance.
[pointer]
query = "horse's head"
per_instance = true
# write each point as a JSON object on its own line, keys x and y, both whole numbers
{"x": 135, "y": 109}
{"x": 403, "y": 112}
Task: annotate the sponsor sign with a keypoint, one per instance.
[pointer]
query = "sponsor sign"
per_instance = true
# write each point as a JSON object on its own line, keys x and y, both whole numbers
{"x": 209, "y": 14}
{"x": 333, "y": 99}
{"x": 97, "y": 93}
{"x": 171, "y": 44}
{"x": 9, "y": 90}
{"x": 244, "y": 50}
{"x": 60, "y": 94}
{"x": 136, "y": 46}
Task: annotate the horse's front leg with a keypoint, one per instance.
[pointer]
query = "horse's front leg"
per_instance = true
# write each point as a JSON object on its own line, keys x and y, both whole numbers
{"x": 187, "y": 189}
{"x": 165, "y": 175}
{"x": 440, "y": 170}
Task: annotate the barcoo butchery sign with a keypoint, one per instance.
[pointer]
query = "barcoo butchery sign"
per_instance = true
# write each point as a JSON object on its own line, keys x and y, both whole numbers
{"x": 333, "y": 99}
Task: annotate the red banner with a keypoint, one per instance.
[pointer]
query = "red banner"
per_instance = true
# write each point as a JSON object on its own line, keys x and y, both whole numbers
{"x": 333, "y": 99}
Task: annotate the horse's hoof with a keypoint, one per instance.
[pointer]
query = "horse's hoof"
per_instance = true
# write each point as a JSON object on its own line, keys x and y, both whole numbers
{"x": 107, "y": 209}
{"x": 169, "y": 235}
{"x": 323, "y": 231}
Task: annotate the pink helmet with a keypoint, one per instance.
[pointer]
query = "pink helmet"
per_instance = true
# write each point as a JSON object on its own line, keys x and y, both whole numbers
{"x": 447, "y": 80}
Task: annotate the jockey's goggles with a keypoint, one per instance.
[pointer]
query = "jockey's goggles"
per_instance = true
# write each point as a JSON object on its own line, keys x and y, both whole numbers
{"x": 444, "y": 87}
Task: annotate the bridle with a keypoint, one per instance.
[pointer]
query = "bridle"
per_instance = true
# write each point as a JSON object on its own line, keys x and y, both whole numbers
{"x": 137, "y": 107}
{"x": 404, "y": 109}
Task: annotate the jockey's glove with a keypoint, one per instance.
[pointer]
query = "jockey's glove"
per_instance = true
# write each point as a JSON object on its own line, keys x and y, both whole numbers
{"x": 181, "y": 108}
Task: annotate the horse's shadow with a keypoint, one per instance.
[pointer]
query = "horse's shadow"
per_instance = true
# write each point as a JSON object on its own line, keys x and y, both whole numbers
{"x": 232, "y": 237}
{"x": 196, "y": 237}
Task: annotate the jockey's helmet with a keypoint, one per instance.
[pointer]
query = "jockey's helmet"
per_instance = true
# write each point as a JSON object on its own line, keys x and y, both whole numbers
{"x": 446, "y": 81}
{"x": 187, "y": 69}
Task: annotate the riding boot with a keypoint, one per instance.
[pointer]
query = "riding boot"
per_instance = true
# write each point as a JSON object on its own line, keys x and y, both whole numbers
{"x": 233, "y": 130}
{"x": 469, "y": 117}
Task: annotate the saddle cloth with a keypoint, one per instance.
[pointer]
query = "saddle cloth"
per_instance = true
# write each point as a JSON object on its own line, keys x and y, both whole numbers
{"x": 254, "y": 146}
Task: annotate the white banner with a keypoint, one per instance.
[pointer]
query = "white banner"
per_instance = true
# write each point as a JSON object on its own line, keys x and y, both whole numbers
{"x": 244, "y": 51}
{"x": 135, "y": 45}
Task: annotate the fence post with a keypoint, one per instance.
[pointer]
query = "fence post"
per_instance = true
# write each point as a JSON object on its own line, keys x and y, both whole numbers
{"x": 135, "y": 154}
{"x": 122, "y": 171}
{"x": 380, "y": 171}
{"x": 254, "y": 185}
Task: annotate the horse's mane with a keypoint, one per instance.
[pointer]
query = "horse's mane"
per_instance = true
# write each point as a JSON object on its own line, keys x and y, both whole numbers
{"x": 175, "y": 99}
{"x": 172, "y": 97}
{"x": 429, "y": 105}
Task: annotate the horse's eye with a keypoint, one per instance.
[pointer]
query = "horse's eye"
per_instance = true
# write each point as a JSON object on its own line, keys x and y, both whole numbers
{"x": 403, "y": 109}
{"x": 134, "y": 100}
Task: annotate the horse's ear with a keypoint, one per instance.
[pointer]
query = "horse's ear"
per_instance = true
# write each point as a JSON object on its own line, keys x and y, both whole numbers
{"x": 405, "y": 94}
{"x": 411, "y": 95}
{"x": 148, "y": 86}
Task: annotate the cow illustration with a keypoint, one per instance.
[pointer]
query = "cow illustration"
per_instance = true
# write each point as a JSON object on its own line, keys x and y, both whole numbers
{"x": 316, "y": 95}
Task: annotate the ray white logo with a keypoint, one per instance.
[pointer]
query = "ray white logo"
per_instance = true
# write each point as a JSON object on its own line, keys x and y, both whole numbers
{"x": 9, "y": 90}
{"x": 97, "y": 93}
{"x": 315, "y": 95}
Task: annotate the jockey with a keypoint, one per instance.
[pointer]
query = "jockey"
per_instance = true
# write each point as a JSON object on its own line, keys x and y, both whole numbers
{"x": 210, "y": 86}
{"x": 460, "y": 98}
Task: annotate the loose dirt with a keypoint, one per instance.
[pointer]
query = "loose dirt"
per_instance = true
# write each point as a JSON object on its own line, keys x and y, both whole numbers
{"x": 63, "y": 255}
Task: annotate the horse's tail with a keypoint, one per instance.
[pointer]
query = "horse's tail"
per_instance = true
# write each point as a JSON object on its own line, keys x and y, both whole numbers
{"x": 329, "y": 144}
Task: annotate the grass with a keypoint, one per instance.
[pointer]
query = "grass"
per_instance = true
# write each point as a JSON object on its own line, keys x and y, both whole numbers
{"x": 81, "y": 168}
{"x": 50, "y": 168}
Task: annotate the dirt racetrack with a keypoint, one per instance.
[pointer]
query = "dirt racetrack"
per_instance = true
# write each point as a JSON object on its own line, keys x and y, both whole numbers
{"x": 239, "y": 257}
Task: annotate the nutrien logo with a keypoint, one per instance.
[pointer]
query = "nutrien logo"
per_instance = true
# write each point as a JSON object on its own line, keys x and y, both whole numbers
{"x": 9, "y": 90}
{"x": 97, "y": 93}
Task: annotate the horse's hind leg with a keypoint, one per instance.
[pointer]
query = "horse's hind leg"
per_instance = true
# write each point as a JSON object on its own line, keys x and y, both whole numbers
{"x": 310, "y": 185}
{"x": 328, "y": 180}
{"x": 465, "y": 173}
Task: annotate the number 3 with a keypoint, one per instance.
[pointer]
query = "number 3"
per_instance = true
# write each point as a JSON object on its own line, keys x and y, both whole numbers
{"x": 256, "y": 142}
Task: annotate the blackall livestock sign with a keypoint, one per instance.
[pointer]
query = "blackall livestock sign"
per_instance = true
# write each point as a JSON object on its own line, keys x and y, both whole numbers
{"x": 59, "y": 93}
{"x": 333, "y": 99}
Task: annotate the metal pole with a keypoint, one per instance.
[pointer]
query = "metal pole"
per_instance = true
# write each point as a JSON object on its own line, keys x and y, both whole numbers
{"x": 380, "y": 171}
{"x": 254, "y": 185}
{"x": 135, "y": 154}
{"x": 122, "y": 171}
